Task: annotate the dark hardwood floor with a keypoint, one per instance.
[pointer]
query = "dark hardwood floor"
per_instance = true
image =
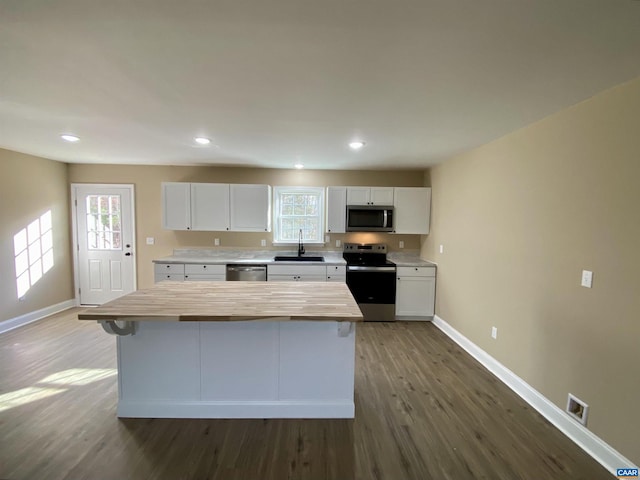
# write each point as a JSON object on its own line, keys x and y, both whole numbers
{"x": 424, "y": 410}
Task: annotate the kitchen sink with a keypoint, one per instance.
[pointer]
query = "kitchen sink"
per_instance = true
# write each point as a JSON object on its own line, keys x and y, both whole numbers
{"x": 294, "y": 258}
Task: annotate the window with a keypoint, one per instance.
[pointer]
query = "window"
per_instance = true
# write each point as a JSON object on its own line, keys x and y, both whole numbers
{"x": 103, "y": 222}
{"x": 298, "y": 208}
{"x": 33, "y": 250}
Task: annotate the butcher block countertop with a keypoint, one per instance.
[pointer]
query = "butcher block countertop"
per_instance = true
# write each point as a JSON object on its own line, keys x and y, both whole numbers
{"x": 232, "y": 301}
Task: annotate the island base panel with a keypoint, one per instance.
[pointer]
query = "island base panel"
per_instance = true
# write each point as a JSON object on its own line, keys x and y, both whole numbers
{"x": 252, "y": 369}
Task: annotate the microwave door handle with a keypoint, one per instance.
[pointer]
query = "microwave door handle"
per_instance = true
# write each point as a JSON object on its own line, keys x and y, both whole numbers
{"x": 384, "y": 218}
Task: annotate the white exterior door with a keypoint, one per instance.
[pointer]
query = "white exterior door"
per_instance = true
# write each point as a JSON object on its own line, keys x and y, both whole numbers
{"x": 105, "y": 264}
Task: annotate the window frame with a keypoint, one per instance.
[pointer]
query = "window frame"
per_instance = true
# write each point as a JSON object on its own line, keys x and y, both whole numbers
{"x": 278, "y": 191}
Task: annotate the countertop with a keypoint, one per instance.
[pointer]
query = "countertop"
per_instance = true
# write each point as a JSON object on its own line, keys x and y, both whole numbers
{"x": 409, "y": 259}
{"x": 228, "y": 256}
{"x": 224, "y": 257}
{"x": 232, "y": 301}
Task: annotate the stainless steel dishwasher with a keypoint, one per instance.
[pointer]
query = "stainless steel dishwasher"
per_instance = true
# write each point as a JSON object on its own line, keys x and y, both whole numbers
{"x": 246, "y": 273}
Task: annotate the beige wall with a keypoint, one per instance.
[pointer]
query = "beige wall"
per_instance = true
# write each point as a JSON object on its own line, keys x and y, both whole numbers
{"x": 520, "y": 218}
{"x": 30, "y": 186}
{"x": 147, "y": 180}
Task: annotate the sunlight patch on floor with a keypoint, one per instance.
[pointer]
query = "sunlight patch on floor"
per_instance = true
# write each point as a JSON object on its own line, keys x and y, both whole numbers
{"x": 53, "y": 385}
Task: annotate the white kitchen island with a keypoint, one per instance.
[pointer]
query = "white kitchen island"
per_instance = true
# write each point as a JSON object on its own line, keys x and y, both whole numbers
{"x": 234, "y": 350}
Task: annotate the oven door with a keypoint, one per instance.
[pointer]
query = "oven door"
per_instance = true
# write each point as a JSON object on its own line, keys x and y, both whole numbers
{"x": 374, "y": 289}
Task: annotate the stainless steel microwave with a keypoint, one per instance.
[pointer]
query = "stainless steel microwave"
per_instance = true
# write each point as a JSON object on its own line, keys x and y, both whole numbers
{"x": 369, "y": 218}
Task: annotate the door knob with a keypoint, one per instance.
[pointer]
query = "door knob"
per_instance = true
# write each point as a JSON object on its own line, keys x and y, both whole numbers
{"x": 128, "y": 254}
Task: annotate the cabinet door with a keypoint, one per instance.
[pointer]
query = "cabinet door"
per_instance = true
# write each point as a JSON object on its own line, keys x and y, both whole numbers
{"x": 381, "y": 196}
{"x": 204, "y": 278}
{"x": 358, "y": 195}
{"x": 311, "y": 278}
{"x": 210, "y": 206}
{"x": 336, "y": 209}
{"x": 282, "y": 278}
{"x": 176, "y": 206}
{"x": 412, "y": 210}
{"x": 250, "y": 207}
{"x": 415, "y": 296}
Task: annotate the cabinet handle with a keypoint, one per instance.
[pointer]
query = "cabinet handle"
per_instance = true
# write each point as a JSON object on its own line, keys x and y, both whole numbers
{"x": 204, "y": 266}
{"x": 188, "y": 228}
{"x": 168, "y": 266}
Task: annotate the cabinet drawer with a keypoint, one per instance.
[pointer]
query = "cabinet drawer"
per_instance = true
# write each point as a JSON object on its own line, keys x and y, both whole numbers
{"x": 174, "y": 277}
{"x": 416, "y": 271}
{"x": 296, "y": 278}
{"x": 168, "y": 268}
{"x": 297, "y": 270}
{"x": 202, "y": 269}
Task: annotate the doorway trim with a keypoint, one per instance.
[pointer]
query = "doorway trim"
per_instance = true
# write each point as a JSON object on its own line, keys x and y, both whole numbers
{"x": 74, "y": 232}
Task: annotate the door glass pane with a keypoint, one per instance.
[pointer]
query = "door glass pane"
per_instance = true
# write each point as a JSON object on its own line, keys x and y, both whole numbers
{"x": 103, "y": 222}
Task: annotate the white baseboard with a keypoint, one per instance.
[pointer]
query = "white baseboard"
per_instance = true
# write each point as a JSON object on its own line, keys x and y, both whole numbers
{"x": 597, "y": 448}
{"x": 236, "y": 409}
{"x": 30, "y": 317}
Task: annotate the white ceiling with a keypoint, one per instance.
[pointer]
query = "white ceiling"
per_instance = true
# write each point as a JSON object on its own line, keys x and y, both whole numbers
{"x": 272, "y": 82}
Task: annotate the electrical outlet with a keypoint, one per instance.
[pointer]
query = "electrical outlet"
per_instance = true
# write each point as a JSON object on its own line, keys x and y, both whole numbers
{"x": 494, "y": 332}
{"x": 587, "y": 278}
{"x": 263, "y": 243}
{"x": 441, "y": 248}
{"x": 338, "y": 243}
{"x": 401, "y": 244}
{"x": 216, "y": 242}
{"x": 327, "y": 239}
{"x": 151, "y": 240}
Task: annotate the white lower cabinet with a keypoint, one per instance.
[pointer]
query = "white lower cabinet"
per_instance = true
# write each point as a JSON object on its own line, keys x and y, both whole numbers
{"x": 178, "y": 272}
{"x": 302, "y": 273}
{"x": 415, "y": 293}
{"x": 336, "y": 273}
{"x": 201, "y": 272}
{"x": 168, "y": 272}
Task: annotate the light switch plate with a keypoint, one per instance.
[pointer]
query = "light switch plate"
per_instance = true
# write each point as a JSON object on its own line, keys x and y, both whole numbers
{"x": 587, "y": 278}
{"x": 263, "y": 243}
{"x": 151, "y": 240}
{"x": 441, "y": 248}
{"x": 494, "y": 332}
{"x": 216, "y": 242}
{"x": 401, "y": 244}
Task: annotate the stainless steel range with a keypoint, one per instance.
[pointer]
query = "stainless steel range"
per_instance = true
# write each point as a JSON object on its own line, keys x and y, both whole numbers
{"x": 372, "y": 280}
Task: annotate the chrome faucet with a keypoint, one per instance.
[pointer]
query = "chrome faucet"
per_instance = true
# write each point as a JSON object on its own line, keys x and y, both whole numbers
{"x": 300, "y": 244}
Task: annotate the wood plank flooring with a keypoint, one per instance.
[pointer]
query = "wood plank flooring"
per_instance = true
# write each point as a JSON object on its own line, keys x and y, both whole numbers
{"x": 424, "y": 410}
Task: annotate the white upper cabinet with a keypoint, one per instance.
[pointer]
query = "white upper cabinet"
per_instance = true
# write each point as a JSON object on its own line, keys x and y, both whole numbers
{"x": 369, "y": 195}
{"x": 176, "y": 206}
{"x": 215, "y": 207}
{"x": 336, "y": 209}
{"x": 210, "y": 206}
{"x": 250, "y": 208}
{"x": 412, "y": 210}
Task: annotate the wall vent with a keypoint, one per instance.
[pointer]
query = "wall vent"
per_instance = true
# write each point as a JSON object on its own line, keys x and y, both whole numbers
{"x": 577, "y": 409}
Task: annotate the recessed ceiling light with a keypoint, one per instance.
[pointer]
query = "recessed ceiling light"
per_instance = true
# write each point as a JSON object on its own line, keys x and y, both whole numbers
{"x": 202, "y": 140}
{"x": 356, "y": 145}
{"x": 69, "y": 138}
{"x": 299, "y": 166}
